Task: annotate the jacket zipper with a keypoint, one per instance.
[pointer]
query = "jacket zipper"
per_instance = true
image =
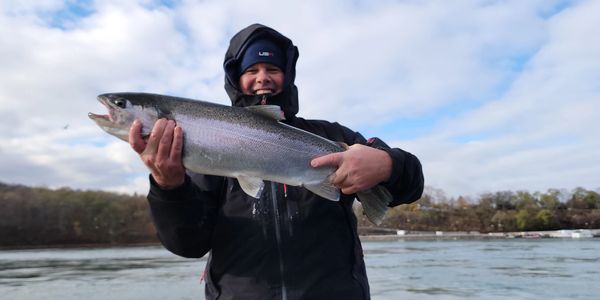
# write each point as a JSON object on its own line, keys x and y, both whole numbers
{"x": 278, "y": 238}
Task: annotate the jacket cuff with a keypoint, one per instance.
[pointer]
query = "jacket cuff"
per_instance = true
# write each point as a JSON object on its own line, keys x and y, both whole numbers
{"x": 396, "y": 155}
{"x": 175, "y": 194}
{"x": 397, "y": 165}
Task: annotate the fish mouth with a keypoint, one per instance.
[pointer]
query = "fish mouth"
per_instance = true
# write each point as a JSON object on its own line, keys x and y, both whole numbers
{"x": 97, "y": 117}
{"x": 105, "y": 117}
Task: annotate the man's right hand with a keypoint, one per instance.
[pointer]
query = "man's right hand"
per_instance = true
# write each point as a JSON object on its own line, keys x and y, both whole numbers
{"x": 162, "y": 152}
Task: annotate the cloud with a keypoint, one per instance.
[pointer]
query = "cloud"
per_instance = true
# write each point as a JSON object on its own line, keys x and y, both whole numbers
{"x": 496, "y": 94}
{"x": 541, "y": 133}
{"x": 410, "y": 58}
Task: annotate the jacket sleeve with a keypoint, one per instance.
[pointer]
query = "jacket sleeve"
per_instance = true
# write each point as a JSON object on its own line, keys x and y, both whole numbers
{"x": 185, "y": 217}
{"x": 406, "y": 182}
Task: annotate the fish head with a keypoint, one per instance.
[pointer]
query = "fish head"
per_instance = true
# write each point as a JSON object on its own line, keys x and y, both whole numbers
{"x": 123, "y": 109}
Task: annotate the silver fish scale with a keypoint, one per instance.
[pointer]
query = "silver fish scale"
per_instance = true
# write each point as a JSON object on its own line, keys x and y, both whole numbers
{"x": 230, "y": 141}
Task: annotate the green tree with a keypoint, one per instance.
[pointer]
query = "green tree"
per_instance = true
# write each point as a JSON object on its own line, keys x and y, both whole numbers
{"x": 584, "y": 199}
{"x": 504, "y": 221}
{"x": 545, "y": 219}
{"x": 524, "y": 200}
{"x": 550, "y": 200}
{"x": 505, "y": 200}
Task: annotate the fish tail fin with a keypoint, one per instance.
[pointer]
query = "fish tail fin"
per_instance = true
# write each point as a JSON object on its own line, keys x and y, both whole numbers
{"x": 375, "y": 203}
{"x": 324, "y": 189}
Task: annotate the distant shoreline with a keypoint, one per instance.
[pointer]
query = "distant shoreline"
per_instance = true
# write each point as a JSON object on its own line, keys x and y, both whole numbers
{"x": 79, "y": 246}
{"x": 452, "y": 235}
{"x": 383, "y": 235}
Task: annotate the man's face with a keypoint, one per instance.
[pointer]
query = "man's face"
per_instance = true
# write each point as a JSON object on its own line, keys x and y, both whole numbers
{"x": 262, "y": 78}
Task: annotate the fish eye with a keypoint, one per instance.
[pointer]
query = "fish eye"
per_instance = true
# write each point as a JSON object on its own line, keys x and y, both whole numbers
{"x": 119, "y": 102}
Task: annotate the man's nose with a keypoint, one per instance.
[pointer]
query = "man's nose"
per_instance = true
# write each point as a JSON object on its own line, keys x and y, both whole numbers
{"x": 263, "y": 76}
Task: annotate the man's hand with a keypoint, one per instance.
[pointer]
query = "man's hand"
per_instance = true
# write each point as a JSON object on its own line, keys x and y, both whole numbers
{"x": 359, "y": 168}
{"x": 162, "y": 152}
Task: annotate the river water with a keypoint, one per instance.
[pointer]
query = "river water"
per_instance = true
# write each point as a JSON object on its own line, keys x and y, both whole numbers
{"x": 434, "y": 269}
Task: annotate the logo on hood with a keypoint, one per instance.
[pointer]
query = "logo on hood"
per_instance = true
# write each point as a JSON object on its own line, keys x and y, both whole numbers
{"x": 265, "y": 53}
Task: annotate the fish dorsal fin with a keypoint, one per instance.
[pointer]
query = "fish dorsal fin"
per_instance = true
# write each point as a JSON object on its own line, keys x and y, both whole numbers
{"x": 164, "y": 113}
{"x": 269, "y": 111}
{"x": 252, "y": 186}
{"x": 344, "y": 145}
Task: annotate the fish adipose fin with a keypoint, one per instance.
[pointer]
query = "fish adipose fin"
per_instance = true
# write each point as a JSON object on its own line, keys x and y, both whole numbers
{"x": 324, "y": 189}
{"x": 375, "y": 203}
{"x": 252, "y": 186}
{"x": 269, "y": 111}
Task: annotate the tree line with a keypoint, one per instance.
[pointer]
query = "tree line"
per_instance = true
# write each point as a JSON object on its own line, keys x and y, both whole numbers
{"x": 504, "y": 211}
{"x": 37, "y": 216}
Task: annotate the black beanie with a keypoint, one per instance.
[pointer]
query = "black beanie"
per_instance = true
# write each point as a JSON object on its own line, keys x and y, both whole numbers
{"x": 262, "y": 51}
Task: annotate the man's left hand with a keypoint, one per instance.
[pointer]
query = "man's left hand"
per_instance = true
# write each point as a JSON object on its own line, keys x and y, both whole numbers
{"x": 359, "y": 168}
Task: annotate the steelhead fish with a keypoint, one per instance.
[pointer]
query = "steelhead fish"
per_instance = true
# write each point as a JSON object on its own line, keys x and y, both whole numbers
{"x": 248, "y": 143}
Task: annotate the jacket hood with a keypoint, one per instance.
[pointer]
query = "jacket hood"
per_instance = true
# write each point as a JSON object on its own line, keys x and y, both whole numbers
{"x": 288, "y": 98}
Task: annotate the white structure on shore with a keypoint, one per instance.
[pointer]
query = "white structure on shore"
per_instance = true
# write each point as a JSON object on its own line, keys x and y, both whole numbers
{"x": 576, "y": 233}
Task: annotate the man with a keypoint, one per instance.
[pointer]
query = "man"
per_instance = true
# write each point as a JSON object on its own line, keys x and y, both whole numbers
{"x": 290, "y": 243}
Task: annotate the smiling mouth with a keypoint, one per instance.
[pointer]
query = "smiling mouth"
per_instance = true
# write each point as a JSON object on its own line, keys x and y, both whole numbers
{"x": 263, "y": 91}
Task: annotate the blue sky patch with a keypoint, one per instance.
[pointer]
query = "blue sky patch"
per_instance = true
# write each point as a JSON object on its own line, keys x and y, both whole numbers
{"x": 69, "y": 15}
{"x": 558, "y": 6}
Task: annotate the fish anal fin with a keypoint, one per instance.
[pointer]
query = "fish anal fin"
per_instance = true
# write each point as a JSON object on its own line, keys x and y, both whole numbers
{"x": 324, "y": 189}
{"x": 269, "y": 111}
{"x": 252, "y": 186}
{"x": 375, "y": 203}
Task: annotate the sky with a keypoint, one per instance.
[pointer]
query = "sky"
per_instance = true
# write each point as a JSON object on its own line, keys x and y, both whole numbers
{"x": 490, "y": 95}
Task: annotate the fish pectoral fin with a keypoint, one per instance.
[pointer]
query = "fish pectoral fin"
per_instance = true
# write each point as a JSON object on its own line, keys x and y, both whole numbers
{"x": 252, "y": 186}
{"x": 375, "y": 203}
{"x": 269, "y": 111}
{"x": 324, "y": 189}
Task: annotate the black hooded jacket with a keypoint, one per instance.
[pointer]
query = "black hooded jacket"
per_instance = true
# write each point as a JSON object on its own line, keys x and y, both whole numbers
{"x": 290, "y": 243}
